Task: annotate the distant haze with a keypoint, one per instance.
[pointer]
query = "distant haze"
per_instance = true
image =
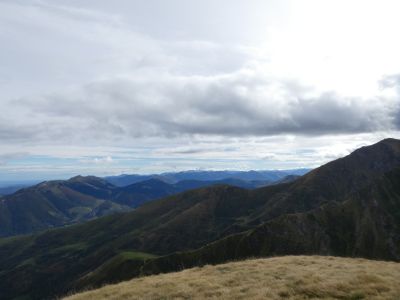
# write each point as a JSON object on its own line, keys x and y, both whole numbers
{"x": 109, "y": 87}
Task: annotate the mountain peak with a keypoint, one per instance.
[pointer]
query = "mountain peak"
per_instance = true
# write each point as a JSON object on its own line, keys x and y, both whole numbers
{"x": 390, "y": 141}
{"x": 86, "y": 179}
{"x": 384, "y": 150}
{"x": 149, "y": 182}
{"x": 79, "y": 178}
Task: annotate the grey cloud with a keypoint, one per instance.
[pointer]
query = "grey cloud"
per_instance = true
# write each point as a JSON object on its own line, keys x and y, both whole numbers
{"x": 190, "y": 151}
{"x": 238, "y": 104}
{"x": 203, "y": 150}
{"x": 160, "y": 92}
{"x": 389, "y": 82}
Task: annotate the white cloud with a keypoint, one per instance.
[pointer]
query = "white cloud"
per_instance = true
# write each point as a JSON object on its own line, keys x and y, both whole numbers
{"x": 89, "y": 80}
{"x": 97, "y": 160}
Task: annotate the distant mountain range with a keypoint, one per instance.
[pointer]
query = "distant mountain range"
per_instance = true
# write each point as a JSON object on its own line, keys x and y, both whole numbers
{"x": 256, "y": 178}
{"x": 64, "y": 202}
{"x": 348, "y": 207}
{"x": 261, "y": 177}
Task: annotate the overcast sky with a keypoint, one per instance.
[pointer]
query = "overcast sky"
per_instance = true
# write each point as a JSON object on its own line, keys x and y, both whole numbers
{"x": 140, "y": 86}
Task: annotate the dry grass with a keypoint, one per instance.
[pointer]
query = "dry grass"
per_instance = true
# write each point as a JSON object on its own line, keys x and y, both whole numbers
{"x": 290, "y": 277}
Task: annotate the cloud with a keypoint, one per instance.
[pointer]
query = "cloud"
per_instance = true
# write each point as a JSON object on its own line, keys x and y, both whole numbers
{"x": 97, "y": 160}
{"x": 391, "y": 85}
{"x": 134, "y": 83}
{"x": 122, "y": 85}
{"x": 243, "y": 103}
{"x": 5, "y": 158}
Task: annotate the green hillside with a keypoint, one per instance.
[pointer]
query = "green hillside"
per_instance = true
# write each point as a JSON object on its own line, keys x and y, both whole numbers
{"x": 56, "y": 204}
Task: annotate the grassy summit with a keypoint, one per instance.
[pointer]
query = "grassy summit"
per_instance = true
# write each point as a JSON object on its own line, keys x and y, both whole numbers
{"x": 288, "y": 277}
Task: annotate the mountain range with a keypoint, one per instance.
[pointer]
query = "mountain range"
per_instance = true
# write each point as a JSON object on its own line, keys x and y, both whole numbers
{"x": 348, "y": 207}
{"x": 255, "y": 178}
{"x": 63, "y": 202}
{"x": 258, "y": 178}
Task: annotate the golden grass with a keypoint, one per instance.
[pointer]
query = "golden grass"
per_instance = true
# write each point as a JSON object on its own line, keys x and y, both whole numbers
{"x": 290, "y": 277}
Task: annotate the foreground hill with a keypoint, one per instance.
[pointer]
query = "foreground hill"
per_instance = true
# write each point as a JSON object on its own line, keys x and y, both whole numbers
{"x": 290, "y": 277}
{"x": 348, "y": 207}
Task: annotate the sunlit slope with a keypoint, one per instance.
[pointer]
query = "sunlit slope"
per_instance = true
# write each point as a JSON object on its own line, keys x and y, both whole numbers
{"x": 290, "y": 277}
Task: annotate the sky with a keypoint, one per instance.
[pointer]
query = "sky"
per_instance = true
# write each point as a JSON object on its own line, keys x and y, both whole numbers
{"x": 145, "y": 86}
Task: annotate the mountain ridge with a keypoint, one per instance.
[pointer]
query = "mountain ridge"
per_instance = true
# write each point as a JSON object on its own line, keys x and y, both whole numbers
{"x": 204, "y": 175}
{"x": 59, "y": 203}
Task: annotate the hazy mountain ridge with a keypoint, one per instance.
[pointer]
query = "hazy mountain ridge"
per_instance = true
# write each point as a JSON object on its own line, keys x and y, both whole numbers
{"x": 332, "y": 210}
{"x": 264, "y": 176}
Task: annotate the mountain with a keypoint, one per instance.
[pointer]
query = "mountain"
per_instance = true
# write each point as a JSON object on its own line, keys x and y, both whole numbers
{"x": 136, "y": 194}
{"x": 150, "y": 189}
{"x": 64, "y": 202}
{"x": 268, "y": 176}
{"x": 55, "y": 204}
{"x": 11, "y": 189}
{"x": 287, "y": 179}
{"x": 125, "y": 179}
{"x": 91, "y": 185}
{"x": 289, "y": 277}
{"x": 262, "y": 175}
{"x": 141, "y": 192}
{"x": 348, "y": 207}
{"x": 366, "y": 224}
{"x": 11, "y": 186}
